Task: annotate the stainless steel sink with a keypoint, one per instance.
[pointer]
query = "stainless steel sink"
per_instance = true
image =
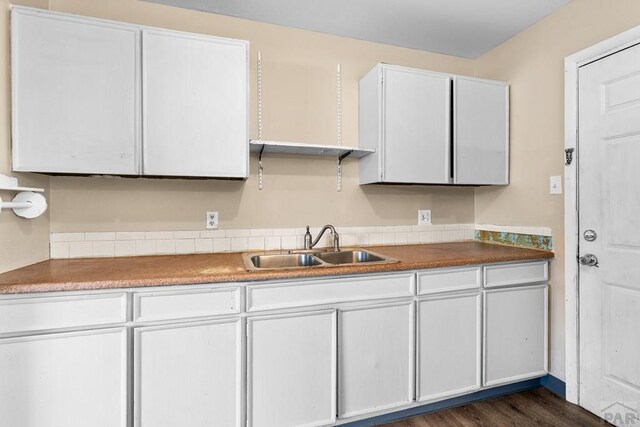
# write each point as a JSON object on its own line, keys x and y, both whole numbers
{"x": 308, "y": 259}
{"x": 277, "y": 261}
{"x": 349, "y": 257}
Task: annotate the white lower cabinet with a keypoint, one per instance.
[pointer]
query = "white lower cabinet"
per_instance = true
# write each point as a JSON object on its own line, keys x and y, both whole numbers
{"x": 336, "y": 350}
{"x": 375, "y": 358}
{"x": 189, "y": 374}
{"x": 291, "y": 369}
{"x": 515, "y": 334}
{"x": 72, "y": 379}
{"x": 449, "y": 346}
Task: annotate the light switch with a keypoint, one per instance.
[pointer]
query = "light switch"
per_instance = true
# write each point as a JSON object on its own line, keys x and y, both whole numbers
{"x": 555, "y": 185}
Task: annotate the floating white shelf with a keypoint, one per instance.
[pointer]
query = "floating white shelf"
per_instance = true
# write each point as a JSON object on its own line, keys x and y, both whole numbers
{"x": 300, "y": 148}
{"x": 8, "y": 183}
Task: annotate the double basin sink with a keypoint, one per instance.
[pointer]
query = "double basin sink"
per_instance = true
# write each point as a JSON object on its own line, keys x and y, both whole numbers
{"x": 310, "y": 259}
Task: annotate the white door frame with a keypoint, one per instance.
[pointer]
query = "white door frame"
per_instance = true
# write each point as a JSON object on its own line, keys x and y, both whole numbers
{"x": 572, "y": 315}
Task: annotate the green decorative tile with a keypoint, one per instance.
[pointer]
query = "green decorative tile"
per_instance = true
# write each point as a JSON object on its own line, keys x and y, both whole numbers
{"x": 515, "y": 239}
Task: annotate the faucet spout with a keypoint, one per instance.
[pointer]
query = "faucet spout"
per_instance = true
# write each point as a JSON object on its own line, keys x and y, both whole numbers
{"x": 309, "y": 243}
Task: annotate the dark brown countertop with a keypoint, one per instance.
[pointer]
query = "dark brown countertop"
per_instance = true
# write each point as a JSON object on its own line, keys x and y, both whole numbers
{"x": 142, "y": 271}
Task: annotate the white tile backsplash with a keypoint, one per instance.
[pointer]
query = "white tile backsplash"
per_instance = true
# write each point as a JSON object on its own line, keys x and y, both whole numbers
{"x": 166, "y": 246}
{"x": 222, "y": 244}
{"x": 59, "y": 250}
{"x": 67, "y": 237}
{"x": 100, "y": 236}
{"x": 80, "y": 249}
{"x": 256, "y": 243}
{"x": 185, "y": 246}
{"x": 158, "y": 235}
{"x": 103, "y": 248}
{"x": 145, "y": 247}
{"x": 204, "y": 246}
{"x": 130, "y": 235}
{"x": 186, "y": 234}
{"x": 272, "y": 243}
{"x": 239, "y": 244}
{"x": 129, "y": 243}
{"x": 125, "y": 247}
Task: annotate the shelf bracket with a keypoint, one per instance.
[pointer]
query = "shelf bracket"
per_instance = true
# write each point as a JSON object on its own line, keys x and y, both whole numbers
{"x": 339, "y": 105}
{"x": 340, "y": 159}
{"x": 260, "y": 168}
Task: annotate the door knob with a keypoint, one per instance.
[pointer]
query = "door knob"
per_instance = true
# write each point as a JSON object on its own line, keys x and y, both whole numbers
{"x": 589, "y": 260}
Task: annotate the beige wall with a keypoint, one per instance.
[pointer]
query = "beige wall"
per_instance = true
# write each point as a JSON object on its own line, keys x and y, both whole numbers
{"x": 22, "y": 241}
{"x": 532, "y": 62}
{"x": 299, "y": 91}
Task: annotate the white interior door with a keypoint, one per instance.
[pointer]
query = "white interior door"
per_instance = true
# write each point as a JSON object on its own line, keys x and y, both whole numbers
{"x": 609, "y": 204}
{"x": 416, "y": 127}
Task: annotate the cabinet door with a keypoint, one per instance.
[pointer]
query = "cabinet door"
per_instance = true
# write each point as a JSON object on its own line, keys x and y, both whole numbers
{"x": 515, "y": 334}
{"x": 75, "y": 94}
{"x": 74, "y": 379}
{"x": 189, "y": 374}
{"x": 195, "y": 105}
{"x": 375, "y": 358}
{"x": 481, "y": 132}
{"x": 416, "y": 144}
{"x": 449, "y": 343}
{"x": 291, "y": 369}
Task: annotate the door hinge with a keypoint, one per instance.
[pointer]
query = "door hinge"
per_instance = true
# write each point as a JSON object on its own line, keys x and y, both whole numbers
{"x": 568, "y": 156}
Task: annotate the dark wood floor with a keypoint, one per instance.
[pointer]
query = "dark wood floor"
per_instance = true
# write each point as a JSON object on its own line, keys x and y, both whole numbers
{"x": 538, "y": 407}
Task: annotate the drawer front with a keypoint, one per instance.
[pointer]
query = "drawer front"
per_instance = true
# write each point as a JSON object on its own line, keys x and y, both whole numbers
{"x": 328, "y": 291}
{"x": 39, "y": 313}
{"x": 447, "y": 280}
{"x": 150, "y": 306}
{"x": 516, "y": 274}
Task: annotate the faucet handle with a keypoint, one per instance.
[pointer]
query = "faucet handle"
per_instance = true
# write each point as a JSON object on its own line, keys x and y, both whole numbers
{"x": 307, "y": 239}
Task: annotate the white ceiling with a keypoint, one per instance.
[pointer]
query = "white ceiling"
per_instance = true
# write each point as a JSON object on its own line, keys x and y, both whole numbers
{"x": 466, "y": 28}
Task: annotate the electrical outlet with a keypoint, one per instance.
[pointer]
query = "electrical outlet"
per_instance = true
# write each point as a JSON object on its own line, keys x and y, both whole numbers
{"x": 555, "y": 185}
{"x": 212, "y": 219}
{"x": 424, "y": 217}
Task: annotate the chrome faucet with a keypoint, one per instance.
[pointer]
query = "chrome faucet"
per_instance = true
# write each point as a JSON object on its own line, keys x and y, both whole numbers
{"x": 308, "y": 243}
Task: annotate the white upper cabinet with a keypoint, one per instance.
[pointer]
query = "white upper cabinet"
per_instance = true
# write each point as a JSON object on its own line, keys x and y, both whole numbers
{"x": 100, "y": 97}
{"x": 481, "y": 132}
{"x": 404, "y": 116}
{"x": 433, "y": 128}
{"x": 75, "y": 94}
{"x": 195, "y": 105}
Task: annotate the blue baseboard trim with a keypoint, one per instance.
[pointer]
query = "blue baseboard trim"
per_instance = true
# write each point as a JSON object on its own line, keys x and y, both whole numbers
{"x": 554, "y": 385}
{"x": 449, "y": 403}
